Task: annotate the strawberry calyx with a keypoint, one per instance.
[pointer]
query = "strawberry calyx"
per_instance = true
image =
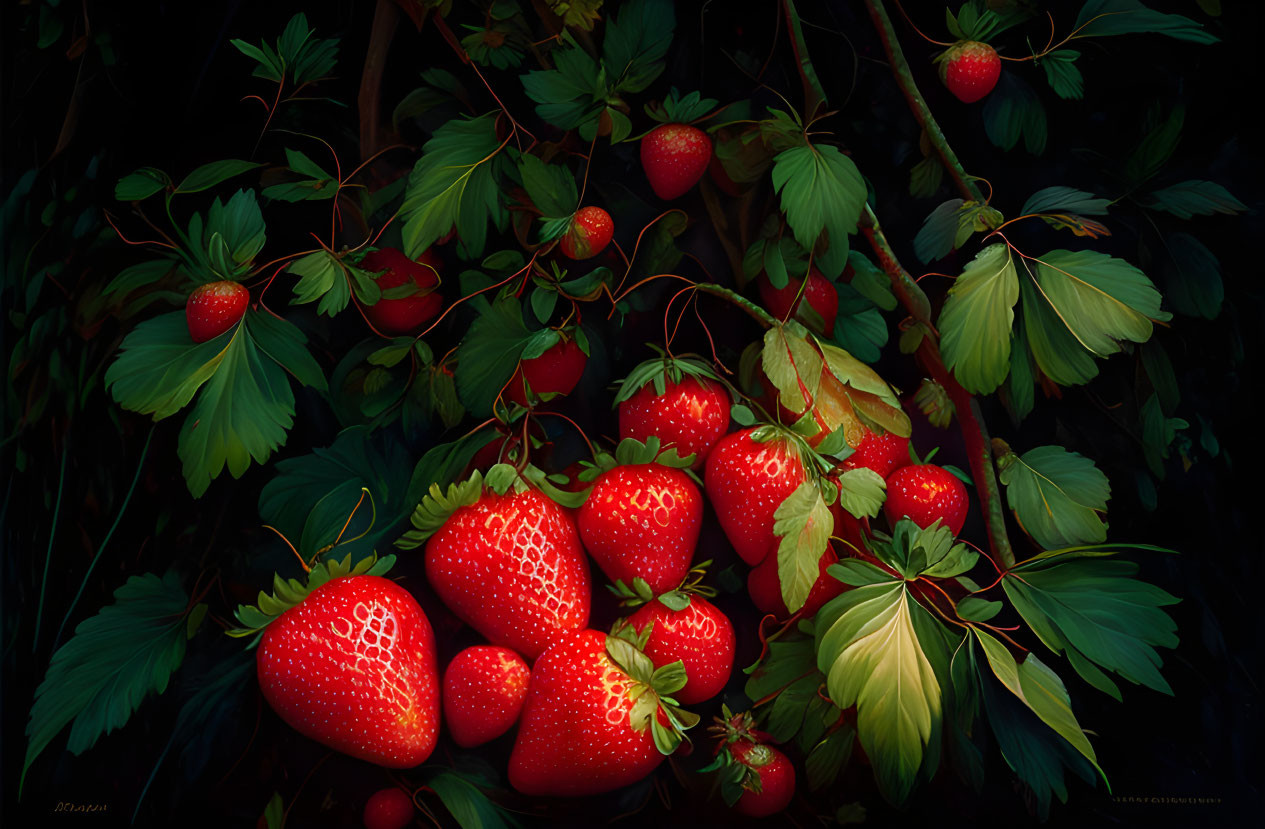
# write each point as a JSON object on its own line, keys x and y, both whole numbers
{"x": 651, "y": 688}
{"x": 678, "y": 598}
{"x": 676, "y": 109}
{"x": 740, "y": 754}
{"x": 287, "y": 593}
{"x": 632, "y": 452}
{"x": 912, "y": 551}
{"x": 662, "y": 370}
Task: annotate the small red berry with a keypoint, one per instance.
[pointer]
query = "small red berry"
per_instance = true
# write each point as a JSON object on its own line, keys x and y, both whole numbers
{"x": 777, "y": 779}
{"x": 970, "y": 70}
{"x": 590, "y": 232}
{"x": 820, "y": 294}
{"x": 675, "y": 156}
{"x": 484, "y": 690}
{"x": 765, "y": 587}
{"x": 924, "y": 493}
{"x": 389, "y": 809}
{"x": 883, "y": 453}
{"x": 214, "y": 308}
{"x": 406, "y": 314}
{"x": 557, "y": 371}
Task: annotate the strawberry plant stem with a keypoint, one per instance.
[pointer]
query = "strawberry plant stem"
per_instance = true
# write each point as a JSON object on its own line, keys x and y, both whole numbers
{"x": 917, "y": 105}
{"x": 52, "y": 534}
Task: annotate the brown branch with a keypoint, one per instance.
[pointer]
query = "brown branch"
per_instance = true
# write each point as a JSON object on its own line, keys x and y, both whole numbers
{"x": 386, "y": 18}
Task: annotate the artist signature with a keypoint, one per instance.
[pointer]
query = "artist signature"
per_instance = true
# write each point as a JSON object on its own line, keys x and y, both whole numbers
{"x": 72, "y": 807}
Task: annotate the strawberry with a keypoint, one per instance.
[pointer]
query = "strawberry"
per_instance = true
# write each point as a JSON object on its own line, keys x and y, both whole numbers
{"x": 215, "y": 307}
{"x": 770, "y": 785}
{"x": 406, "y": 314}
{"x": 675, "y": 156}
{"x": 689, "y": 628}
{"x": 504, "y": 558}
{"x": 970, "y": 70}
{"x": 590, "y": 232}
{"x": 925, "y": 493}
{"x": 766, "y": 588}
{"x": 555, "y": 372}
{"x": 596, "y": 718}
{"x": 389, "y": 809}
{"x": 884, "y": 453}
{"x": 348, "y": 659}
{"x": 678, "y": 400}
{"x": 484, "y": 689}
{"x": 746, "y": 481}
{"x": 820, "y": 295}
{"x": 642, "y": 517}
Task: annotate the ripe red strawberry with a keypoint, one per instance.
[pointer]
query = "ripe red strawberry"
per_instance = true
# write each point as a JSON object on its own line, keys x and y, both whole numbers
{"x": 484, "y": 690}
{"x": 970, "y": 70}
{"x": 642, "y": 521}
{"x": 407, "y": 314}
{"x": 675, "y": 156}
{"x": 352, "y": 666}
{"x": 925, "y": 492}
{"x": 678, "y": 401}
{"x": 595, "y": 719}
{"x": 746, "y": 482}
{"x": 766, "y": 588}
{"x": 820, "y": 294}
{"x": 697, "y": 634}
{"x": 590, "y": 232}
{"x": 509, "y": 565}
{"x": 771, "y": 786}
{"x": 215, "y": 307}
{"x": 389, "y": 809}
{"x": 555, "y": 372}
{"x": 883, "y": 453}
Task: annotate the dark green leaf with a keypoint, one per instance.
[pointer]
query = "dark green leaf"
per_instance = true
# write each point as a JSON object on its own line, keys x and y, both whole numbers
{"x": 572, "y": 93}
{"x": 140, "y": 185}
{"x": 551, "y": 187}
{"x": 822, "y": 191}
{"x": 286, "y": 344}
{"x": 827, "y": 759}
{"x": 161, "y": 368}
{"x": 1158, "y": 433}
{"x": 1014, "y": 111}
{"x": 1063, "y": 74}
{"x": 1065, "y": 200}
{"x": 1056, "y": 495}
{"x": 1193, "y": 198}
{"x": 1192, "y": 276}
{"x": 975, "y": 609}
{"x": 466, "y": 802}
{"x": 1053, "y": 347}
{"x": 858, "y": 573}
{"x": 489, "y": 353}
{"x": 1156, "y": 147}
{"x": 636, "y": 41}
{"x": 937, "y": 237}
{"x": 209, "y": 175}
{"x": 1103, "y": 18}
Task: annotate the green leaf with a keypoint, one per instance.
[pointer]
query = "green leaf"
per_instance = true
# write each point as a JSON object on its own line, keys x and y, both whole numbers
{"x": 975, "y": 609}
{"x": 140, "y": 185}
{"x": 1056, "y": 495}
{"x": 456, "y": 183}
{"x": 1060, "y": 199}
{"x": 321, "y": 276}
{"x": 786, "y": 715}
{"x": 975, "y": 325}
{"x": 1053, "y": 347}
{"x": 1014, "y": 111}
{"x": 1097, "y": 612}
{"x": 827, "y": 759}
{"x": 803, "y": 523}
{"x": 1104, "y": 18}
{"x": 873, "y": 659}
{"x": 287, "y": 346}
{"x": 551, "y": 187}
{"x": 160, "y": 368}
{"x": 1158, "y": 433}
{"x": 862, "y": 492}
{"x": 822, "y": 191}
{"x": 1193, "y": 198}
{"x": 1063, "y": 74}
{"x": 636, "y": 42}
{"x": 274, "y": 816}
{"x": 496, "y": 46}
{"x": 1100, "y": 299}
{"x": 489, "y": 353}
{"x": 234, "y": 234}
{"x": 937, "y": 237}
{"x": 115, "y": 659}
{"x": 209, "y": 175}
{"x": 1156, "y": 148}
{"x": 791, "y": 364}
{"x": 1192, "y": 276}
{"x": 571, "y": 94}
{"x": 858, "y": 573}
{"x": 860, "y": 327}
{"x": 468, "y": 805}
{"x": 926, "y": 177}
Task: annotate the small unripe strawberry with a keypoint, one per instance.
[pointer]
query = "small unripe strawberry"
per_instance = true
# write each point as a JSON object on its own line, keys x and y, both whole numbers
{"x": 970, "y": 70}
{"x": 590, "y": 232}
{"x": 214, "y": 308}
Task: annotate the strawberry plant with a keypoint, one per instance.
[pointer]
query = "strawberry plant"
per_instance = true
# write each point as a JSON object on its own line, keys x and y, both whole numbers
{"x": 584, "y": 369}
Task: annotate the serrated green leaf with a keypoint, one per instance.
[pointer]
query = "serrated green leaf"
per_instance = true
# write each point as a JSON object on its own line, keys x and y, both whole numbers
{"x": 489, "y": 353}
{"x": 571, "y": 94}
{"x": 636, "y": 42}
{"x": 160, "y": 368}
{"x": 803, "y": 524}
{"x": 791, "y": 364}
{"x": 1053, "y": 347}
{"x": 1063, "y": 75}
{"x": 937, "y": 237}
{"x": 1192, "y": 198}
{"x": 862, "y": 492}
{"x": 282, "y": 340}
{"x": 975, "y": 325}
{"x": 821, "y": 191}
{"x": 1059, "y": 199}
{"x": 873, "y": 659}
{"x": 1056, "y": 495}
{"x": 1104, "y": 18}
{"x": 116, "y": 658}
{"x": 209, "y": 175}
{"x": 551, "y": 187}
{"x": 224, "y": 245}
{"x": 786, "y": 715}
{"x": 321, "y": 276}
{"x": 1014, "y": 111}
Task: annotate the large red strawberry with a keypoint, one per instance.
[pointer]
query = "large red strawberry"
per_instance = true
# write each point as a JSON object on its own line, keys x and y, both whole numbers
{"x": 350, "y": 664}
{"x": 820, "y": 294}
{"x": 746, "y": 481}
{"x": 555, "y": 372}
{"x": 970, "y": 70}
{"x": 484, "y": 690}
{"x": 590, "y": 232}
{"x": 214, "y": 308}
{"x": 675, "y": 156}
{"x": 642, "y": 517}
{"x": 770, "y": 785}
{"x": 925, "y": 493}
{"x": 678, "y": 400}
{"x": 689, "y": 628}
{"x": 406, "y": 314}
{"x": 507, "y": 560}
{"x": 389, "y": 809}
{"x": 884, "y": 453}
{"x": 597, "y": 718}
{"x": 766, "y": 588}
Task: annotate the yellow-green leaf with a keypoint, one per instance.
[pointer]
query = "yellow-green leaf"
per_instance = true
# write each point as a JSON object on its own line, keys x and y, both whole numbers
{"x": 803, "y": 523}
{"x": 791, "y": 364}
{"x": 976, "y": 322}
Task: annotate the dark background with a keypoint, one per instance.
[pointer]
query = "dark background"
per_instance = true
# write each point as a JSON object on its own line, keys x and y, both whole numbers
{"x": 158, "y": 84}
